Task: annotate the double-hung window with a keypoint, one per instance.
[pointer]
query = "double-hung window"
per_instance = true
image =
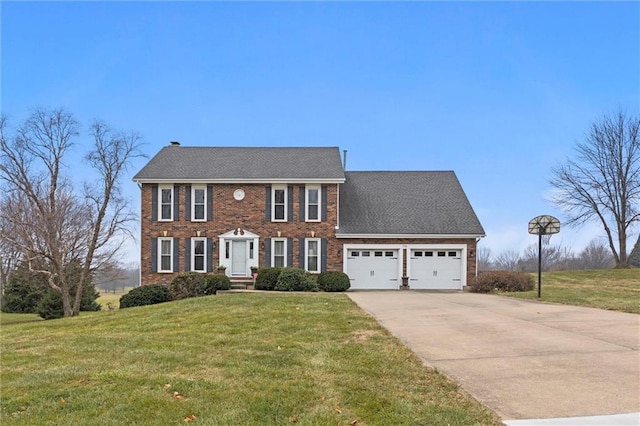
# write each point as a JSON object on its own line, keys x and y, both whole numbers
{"x": 312, "y": 203}
{"x": 279, "y": 204}
{"x": 279, "y": 252}
{"x": 165, "y": 205}
{"x": 312, "y": 254}
{"x": 198, "y": 203}
{"x": 199, "y": 254}
{"x": 165, "y": 254}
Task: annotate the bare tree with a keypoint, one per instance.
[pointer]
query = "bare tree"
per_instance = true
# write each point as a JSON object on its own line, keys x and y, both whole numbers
{"x": 507, "y": 260}
{"x": 595, "y": 256}
{"x": 50, "y": 223}
{"x": 603, "y": 182}
{"x": 555, "y": 257}
{"x": 484, "y": 258}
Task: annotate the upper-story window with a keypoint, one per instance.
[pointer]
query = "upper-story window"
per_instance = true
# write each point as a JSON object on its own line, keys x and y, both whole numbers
{"x": 312, "y": 203}
{"x": 198, "y": 203}
{"x": 279, "y": 203}
{"x": 165, "y": 254}
{"x": 165, "y": 206}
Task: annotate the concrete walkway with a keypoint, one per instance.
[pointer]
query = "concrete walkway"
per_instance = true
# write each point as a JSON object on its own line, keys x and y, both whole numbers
{"x": 525, "y": 360}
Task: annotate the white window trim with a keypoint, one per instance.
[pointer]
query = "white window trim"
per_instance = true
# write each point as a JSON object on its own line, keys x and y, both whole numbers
{"x": 193, "y": 254}
{"x": 306, "y": 254}
{"x": 160, "y": 254}
{"x": 273, "y": 251}
{"x": 273, "y": 202}
{"x": 193, "y": 203}
{"x": 306, "y": 203}
{"x": 160, "y": 189}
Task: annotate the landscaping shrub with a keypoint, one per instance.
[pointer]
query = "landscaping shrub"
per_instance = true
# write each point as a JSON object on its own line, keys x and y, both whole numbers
{"x": 50, "y": 306}
{"x": 333, "y": 281}
{"x": 185, "y": 285}
{"x": 295, "y": 279}
{"x": 145, "y": 295}
{"x": 267, "y": 278}
{"x": 214, "y": 282}
{"x": 503, "y": 281}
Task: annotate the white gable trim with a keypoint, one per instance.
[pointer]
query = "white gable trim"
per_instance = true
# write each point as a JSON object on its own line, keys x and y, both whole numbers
{"x": 238, "y": 233}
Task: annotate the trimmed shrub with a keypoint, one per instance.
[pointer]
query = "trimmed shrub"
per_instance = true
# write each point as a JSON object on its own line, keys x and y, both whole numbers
{"x": 267, "y": 278}
{"x": 185, "y": 285}
{"x": 145, "y": 295}
{"x": 333, "y": 281}
{"x": 50, "y": 306}
{"x": 214, "y": 282}
{"x": 490, "y": 281}
{"x": 295, "y": 279}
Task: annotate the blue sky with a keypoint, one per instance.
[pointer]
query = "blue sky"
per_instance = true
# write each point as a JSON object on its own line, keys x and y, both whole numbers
{"x": 499, "y": 92}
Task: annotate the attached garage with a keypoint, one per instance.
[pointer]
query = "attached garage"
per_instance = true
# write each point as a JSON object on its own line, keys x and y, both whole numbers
{"x": 438, "y": 268}
{"x": 373, "y": 268}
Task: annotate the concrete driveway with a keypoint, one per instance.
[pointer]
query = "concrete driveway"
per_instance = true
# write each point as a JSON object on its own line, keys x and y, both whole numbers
{"x": 525, "y": 360}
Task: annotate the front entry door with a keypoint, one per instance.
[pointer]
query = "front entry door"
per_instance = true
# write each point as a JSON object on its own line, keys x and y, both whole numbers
{"x": 238, "y": 257}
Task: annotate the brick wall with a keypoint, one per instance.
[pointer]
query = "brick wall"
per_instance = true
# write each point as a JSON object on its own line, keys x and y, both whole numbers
{"x": 230, "y": 214}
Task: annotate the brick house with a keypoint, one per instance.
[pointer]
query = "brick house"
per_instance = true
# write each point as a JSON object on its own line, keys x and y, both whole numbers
{"x": 297, "y": 207}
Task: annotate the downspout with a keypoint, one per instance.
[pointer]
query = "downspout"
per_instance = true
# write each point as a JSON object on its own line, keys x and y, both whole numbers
{"x": 476, "y": 257}
{"x": 140, "y": 254}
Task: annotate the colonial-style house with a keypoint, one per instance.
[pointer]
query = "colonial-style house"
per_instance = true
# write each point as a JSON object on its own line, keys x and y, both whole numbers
{"x": 203, "y": 207}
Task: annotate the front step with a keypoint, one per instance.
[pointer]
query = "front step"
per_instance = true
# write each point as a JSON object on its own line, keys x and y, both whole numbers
{"x": 241, "y": 283}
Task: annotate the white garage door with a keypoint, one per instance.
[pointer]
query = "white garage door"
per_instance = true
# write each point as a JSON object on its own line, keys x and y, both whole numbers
{"x": 435, "y": 269}
{"x": 373, "y": 268}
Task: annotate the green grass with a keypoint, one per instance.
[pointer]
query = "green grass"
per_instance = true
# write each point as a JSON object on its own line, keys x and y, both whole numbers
{"x": 233, "y": 359}
{"x": 6, "y": 318}
{"x": 613, "y": 289}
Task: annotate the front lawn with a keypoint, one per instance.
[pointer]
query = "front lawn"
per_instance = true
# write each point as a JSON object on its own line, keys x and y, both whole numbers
{"x": 232, "y": 359}
{"x": 614, "y": 289}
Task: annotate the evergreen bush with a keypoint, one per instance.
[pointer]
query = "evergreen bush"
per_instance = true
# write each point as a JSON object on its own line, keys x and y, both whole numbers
{"x": 295, "y": 279}
{"x": 50, "y": 306}
{"x": 267, "y": 278}
{"x": 145, "y": 295}
{"x": 214, "y": 282}
{"x": 333, "y": 281}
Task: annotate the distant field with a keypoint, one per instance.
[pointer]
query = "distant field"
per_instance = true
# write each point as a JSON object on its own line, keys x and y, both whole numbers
{"x": 112, "y": 298}
{"x": 613, "y": 289}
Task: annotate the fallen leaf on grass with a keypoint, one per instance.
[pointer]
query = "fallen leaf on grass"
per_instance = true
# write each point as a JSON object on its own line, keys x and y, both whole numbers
{"x": 190, "y": 418}
{"x": 166, "y": 386}
{"x": 62, "y": 401}
{"x": 338, "y": 410}
{"x": 177, "y": 395}
{"x": 294, "y": 419}
{"x": 354, "y": 423}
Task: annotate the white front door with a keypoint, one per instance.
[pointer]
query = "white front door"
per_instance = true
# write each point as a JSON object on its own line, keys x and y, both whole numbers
{"x": 239, "y": 257}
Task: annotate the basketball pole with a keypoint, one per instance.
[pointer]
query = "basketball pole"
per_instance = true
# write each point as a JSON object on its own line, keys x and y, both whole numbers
{"x": 541, "y": 230}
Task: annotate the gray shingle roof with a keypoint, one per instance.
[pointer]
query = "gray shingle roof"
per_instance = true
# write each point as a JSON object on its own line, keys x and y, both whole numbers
{"x": 431, "y": 202}
{"x": 175, "y": 163}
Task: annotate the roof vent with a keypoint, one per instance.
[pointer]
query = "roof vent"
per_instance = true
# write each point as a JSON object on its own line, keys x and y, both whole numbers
{"x": 175, "y": 143}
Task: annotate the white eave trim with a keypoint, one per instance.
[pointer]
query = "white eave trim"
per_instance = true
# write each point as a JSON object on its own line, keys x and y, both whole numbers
{"x": 239, "y": 181}
{"x": 421, "y": 236}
